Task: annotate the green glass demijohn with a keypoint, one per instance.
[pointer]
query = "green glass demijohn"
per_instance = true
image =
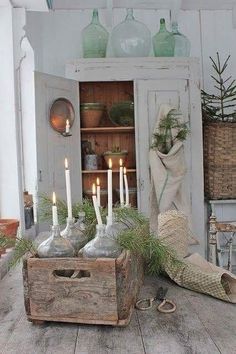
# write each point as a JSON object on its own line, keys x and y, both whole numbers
{"x": 94, "y": 38}
{"x": 130, "y": 38}
{"x": 163, "y": 41}
{"x": 182, "y": 43}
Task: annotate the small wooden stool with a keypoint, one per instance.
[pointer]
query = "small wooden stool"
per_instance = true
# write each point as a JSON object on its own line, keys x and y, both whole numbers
{"x": 214, "y": 244}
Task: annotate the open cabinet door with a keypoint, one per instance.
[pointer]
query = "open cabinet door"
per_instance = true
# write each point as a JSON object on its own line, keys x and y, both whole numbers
{"x": 53, "y": 147}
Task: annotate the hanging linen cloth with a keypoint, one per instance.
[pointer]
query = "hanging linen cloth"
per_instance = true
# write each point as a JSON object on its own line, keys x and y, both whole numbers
{"x": 167, "y": 176}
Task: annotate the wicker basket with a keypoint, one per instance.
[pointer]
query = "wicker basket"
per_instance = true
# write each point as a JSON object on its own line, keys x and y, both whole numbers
{"x": 220, "y": 160}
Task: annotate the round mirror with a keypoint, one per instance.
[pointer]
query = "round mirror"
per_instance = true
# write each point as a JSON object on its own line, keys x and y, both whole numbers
{"x": 61, "y": 111}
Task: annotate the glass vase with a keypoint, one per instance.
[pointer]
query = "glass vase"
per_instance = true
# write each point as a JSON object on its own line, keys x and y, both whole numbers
{"x": 103, "y": 245}
{"x": 74, "y": 234}
{"x": 94, "y": 38}
{"x": 182, "y": 43}
{"x": 131, "y": 38}
{"x": 55, "y": 245}
{"x": 163, "y": 42}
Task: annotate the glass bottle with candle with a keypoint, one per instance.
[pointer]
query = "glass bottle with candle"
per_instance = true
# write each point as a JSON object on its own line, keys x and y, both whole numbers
{"x": 75, "y": 234}
{"x": 103, "y": 245}
{"x": 55, "y": 245}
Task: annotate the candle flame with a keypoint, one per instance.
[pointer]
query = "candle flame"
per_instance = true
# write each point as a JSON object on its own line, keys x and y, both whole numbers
{"x": 67, "y": 122}
{"x": 98, "y": 181}
{"x": 121, "y": 162}
{"x": 94, "y": 189}
{"x": 110, "y": 163}
{"x": 54, "y": 198}
{"x": 66, "y": 163}
{"x": 125, "y": 171}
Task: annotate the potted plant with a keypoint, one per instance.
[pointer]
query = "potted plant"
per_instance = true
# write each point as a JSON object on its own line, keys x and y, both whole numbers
{"x": 115, "y": 154}
{"x": 8, "y": 228}
{"x": 91, "y": 161}
{"x": 219, "y": 134}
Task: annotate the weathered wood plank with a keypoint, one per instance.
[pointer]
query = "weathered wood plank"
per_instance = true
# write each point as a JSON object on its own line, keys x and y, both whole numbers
{"x": 180, "y": 332}
{"x": 219, "y": 319}
{"x": 110, "y": 340}
{"x": 48, "y": 338}
{"x": 11, "y": 305}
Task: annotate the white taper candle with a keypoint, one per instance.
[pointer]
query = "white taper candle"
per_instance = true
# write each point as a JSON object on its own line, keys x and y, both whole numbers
{"x": 126, "y": 188}
{"x": 54, "y": 210}
{"x": 109, "y": 187}
{"x": 95, "y": 205}
{"x": 98, "y": 192}
{"x": 68, "y": 190}
{"x": 67, "y": 126}
{"x": 121, "y": 184}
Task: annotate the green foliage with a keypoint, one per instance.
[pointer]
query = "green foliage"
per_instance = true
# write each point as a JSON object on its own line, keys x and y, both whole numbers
{"x": 21, "y": 247}
{"x": 171, "y": 129}
{"x": 136, "y": 237}
{"x": 221, "y": 106}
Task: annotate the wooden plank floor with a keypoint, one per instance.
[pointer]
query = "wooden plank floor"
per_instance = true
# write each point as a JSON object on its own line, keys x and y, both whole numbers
{"x": 201, "y": 324}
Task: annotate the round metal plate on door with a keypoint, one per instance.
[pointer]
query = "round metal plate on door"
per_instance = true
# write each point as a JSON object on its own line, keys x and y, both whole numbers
{"x": 61, "y": 110}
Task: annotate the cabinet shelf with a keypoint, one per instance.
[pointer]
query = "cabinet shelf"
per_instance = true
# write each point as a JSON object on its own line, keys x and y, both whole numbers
{"x": 131, "y": 170}
{"x": 105, "y": 130}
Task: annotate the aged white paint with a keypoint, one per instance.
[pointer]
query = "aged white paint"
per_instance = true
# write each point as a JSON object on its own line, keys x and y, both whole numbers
{"x": 156, "y": 81}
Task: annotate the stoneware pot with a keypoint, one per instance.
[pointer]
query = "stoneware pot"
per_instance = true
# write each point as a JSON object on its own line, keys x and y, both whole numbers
{"x": 91, "y": 114}
{"x": 115, "y": 158}
{"x": 9, "y": 227}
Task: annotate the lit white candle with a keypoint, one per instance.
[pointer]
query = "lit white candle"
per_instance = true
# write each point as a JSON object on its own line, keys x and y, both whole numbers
{"x": 68, "y": 190}
{"x": 126, "y": 188}
{"x": 95, "y": 205}
{"x": 98, "y": 192}
{"x": 67, "y": 126}
{"x": 121, "y": 184}
{"x": 54, "y": 210}
{"x": 109, "y": 188}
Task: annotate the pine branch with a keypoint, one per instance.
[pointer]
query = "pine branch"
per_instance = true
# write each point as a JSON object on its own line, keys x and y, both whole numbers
{"x": 214, "y": 106}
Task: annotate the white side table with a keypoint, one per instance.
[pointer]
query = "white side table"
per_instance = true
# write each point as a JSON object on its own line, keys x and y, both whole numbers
{"x": 222, "y": 222}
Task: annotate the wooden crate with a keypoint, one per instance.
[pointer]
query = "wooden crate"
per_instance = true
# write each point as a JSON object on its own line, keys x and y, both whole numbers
{"x": 104, "y": 291}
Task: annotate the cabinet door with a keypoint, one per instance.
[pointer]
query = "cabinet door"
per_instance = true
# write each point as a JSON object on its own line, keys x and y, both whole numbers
{"x": 52, "y": 147}
{"x": 150, "y": 94}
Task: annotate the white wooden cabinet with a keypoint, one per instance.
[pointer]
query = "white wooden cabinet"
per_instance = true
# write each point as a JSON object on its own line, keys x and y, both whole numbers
{"x": 155, "y": 81}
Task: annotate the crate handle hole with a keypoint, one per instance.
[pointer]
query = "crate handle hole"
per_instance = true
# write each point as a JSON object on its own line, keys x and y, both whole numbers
{"x": 71, "y": 273}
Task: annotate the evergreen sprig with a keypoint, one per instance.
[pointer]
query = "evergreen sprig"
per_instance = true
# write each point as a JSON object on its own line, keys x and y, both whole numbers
{"x": 171, "y": 129}
{"x": 220, "y": 106}
{"x": 21, "y": 247}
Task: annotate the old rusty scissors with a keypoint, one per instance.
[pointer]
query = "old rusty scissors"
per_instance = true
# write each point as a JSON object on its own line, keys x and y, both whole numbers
{"x": 146, "y": 304}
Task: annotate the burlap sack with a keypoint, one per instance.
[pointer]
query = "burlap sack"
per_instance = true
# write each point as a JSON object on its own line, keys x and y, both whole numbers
{"x": 193, "y": 272}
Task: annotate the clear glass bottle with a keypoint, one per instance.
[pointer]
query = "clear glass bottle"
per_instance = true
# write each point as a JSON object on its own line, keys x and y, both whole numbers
{"x": 80, "y": 223}
{"x": 163, "y": 41}
{"x": 94, "y": 38}
{"x": 130, "y": 38}
{"x": 102, "y": 245}
{"x": 75, "y": 235}
{"x": 182, "y": 43}
{"x": 55, "y": 245}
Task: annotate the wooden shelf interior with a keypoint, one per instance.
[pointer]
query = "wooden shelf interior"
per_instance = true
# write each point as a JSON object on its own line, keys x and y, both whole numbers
{"x": 107, "y": 135}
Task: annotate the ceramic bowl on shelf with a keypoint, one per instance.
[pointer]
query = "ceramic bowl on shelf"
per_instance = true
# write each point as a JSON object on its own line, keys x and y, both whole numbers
{"x": 115, "y": 158}
{"x": 91, "y": 114}
{"x": 122, "y": 113}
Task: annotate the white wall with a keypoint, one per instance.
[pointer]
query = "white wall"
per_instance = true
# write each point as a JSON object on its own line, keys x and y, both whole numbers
{"x": 10, "y": 179}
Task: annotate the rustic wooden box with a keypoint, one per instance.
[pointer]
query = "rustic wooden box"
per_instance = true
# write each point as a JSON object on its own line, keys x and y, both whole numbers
{"x": 103, "y": 292}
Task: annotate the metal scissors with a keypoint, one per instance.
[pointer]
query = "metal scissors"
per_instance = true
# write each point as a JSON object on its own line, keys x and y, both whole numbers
{"x": 146, "y": 304}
